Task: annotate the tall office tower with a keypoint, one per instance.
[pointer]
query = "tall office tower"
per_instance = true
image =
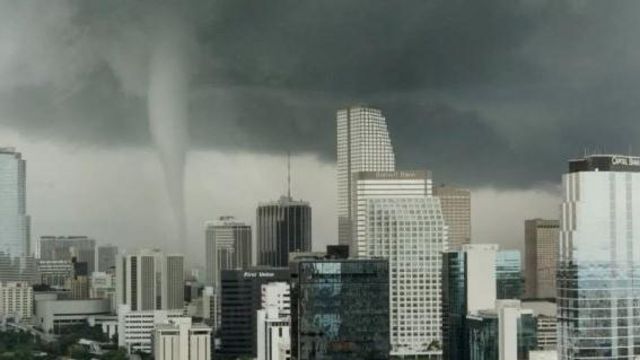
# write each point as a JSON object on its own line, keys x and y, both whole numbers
{"x": 468, "y": 286}
{"x": 283, "y": 226}
{"x": 150, "y": 280}
{"x": 506, "y": 332}
{"x": 16, "y": 300}
{"x": 509, "y": 282}
{"x": 19, "y": 269}
{"x": 240, "y": 300}
{"x": 14, "y": 221}
{"x": 107, "y": 258}
{"x": 363, "y": 145}
{"x": 67, "y": 247}
{"x": 274, "y": 322}
{"x": 339, "y": 307}
{"x": 55, "y": 273}
{"x": 456, "y": 207}
{"x": 379, "y": 185}
{"x": 598, "y": 277}
{"x": 411, "y": 234}
{"x": 227, "y": 247}
{"x": 541, "y": 255}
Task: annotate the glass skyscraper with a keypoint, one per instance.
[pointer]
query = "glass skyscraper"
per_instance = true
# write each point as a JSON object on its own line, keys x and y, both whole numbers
{"x": 283, "y": 226}
{"x": 598, "y": 278}
{"x": 363, "y": 144}
{"x": 14, "y": 221}
{"x": 340, "y": 309}
{"x": 509, "y": 280}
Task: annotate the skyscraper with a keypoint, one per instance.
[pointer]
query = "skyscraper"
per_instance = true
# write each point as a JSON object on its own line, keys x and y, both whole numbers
{"x": 106, "y": 257}
{"x": 283, "y": 226}
{"x": 380, "y": 185}
{"x": 227, "y": 247}
{"x": 598, "y": 277}
{"x": 150, "y": 280}
{"x": 468, "y": 286}
{"x": 509, "y": 282}
{"x": 456, "y": 208}
{"x": 410, "y": 232}
{"x": 67, "y": 247}
{"x": 363, "y": 144}
{"x": 541, "y": 256}
{"x": 14, "y": 221}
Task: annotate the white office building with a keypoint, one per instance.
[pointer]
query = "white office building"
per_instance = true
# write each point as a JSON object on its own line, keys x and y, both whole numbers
{"x": 16, "y": 300}
{"x": 227, "y": 247}
{"x": 363, "y": 144}
{"x": 150, "y": 280}
{"x": 179, "y": 339}
{"x": 52, "y": 315}
{"x": 598, "y": 277}
{"x": 274, "y": 321}
{"x": 135, "y": 328}
{"x": 14, "y": 221}
{"x": 380, "y": 185}
{"x": 411, "y": 233}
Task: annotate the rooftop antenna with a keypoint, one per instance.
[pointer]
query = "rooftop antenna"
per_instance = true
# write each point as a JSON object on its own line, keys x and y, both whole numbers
{"x": 289, "y": 174}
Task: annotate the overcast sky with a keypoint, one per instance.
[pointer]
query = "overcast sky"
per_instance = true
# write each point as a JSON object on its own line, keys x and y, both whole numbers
{"x": 494, "y": 95}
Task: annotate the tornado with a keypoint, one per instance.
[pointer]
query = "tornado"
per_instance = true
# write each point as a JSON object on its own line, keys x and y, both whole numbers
{"x": 168, "y": 113}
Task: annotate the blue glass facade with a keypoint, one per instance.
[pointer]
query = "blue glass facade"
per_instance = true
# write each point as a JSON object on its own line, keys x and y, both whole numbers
{"x": 454, "y": 307}
{"x": 509, "y": 280}
{"x": 340, "y": 309}
{"x": 484, "y": 336}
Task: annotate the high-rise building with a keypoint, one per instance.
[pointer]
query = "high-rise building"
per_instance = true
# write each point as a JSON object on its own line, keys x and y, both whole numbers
{"x": 227, "y": 247}
{"x": 14, "y": 221}
{"x": 55, "y": 273}
{"x": 149, "y": 280}
{"x": 507, "y": 332}
{"x": 18, "y": 269}
{"x": 274, "y": 321}
{"x": 456, "y": 208}
{"x": 16, "y": 300}
{"x": 241, "y": 298}
{"x": 547, "y": 328}
{"x": 380, "y": 185}
{"x": 410, "y": 232}
{"x": 211, "y": 307}
{"x": 107, "y": 258}
{"x": 283, "y": 226}
{"x": 82, "y": 248}
{"x": 180, "y": 339}
{"x": 541, "y": 255}
{"x": 78, "y": 287}
{"x": 363, "y": 144}
{"x": 509, "y": 282}
{"x": 468, "y": 286}
{"x": 598, "y": 276}
{"x": 339, "y": 307}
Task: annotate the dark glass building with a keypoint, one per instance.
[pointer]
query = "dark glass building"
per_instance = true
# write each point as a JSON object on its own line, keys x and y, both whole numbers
{"x": 340, "y": 308}
{"x": 240, "y": 299}
{"x": 283, "y": 226}
{"x": 509, "y": 280}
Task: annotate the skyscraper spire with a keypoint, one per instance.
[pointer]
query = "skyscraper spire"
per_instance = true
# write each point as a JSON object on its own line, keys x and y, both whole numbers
{"x": 289, "y": 174}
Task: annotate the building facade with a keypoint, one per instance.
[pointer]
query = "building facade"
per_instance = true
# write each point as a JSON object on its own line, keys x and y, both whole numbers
{"x": 82, "y": 248}
{"x": 16, "y": 300}
{"x": 15, "y": 224}
{"x": 180, "y": 339}
{"x": 468, "y": 286}
{"x": 274, "y": 322}
{"x": 599, "y": 259}
{"x": 241, "y": 298}
{"x": 18, "y": 269}
{"x": 509, "y": 281}
{"x": 541, "y": 255}
{"x": 227, "y": 247}
{"x": 55, "y": 273}
{"x": 135, "y": 328}
{"x": 363, "y": 144}
{"x": 107, "y": 258}
{"x": 411, "y": 234}
{"x": 283, "y": 226}
{"x": 340, "y": 309}
{"x": 53, "y": 315}
{"x": 456, "y": 208}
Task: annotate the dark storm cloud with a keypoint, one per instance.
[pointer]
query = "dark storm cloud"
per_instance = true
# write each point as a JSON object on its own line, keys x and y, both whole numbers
{"x": 485, "y": 92}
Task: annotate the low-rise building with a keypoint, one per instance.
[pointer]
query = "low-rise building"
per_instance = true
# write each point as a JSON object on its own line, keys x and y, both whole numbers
{"x": 135, "y": 328}
{"x": 51, "y": 315}
{"x": 179, "y": 339}
{"x": 16, "y": 300}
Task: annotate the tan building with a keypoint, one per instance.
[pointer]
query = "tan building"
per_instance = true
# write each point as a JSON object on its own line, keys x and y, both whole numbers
{"x": 541, "y": 255}
{"x": 456, "y": 209}
{"x": 79, "y": 288}
{"x": 16, "y": 300}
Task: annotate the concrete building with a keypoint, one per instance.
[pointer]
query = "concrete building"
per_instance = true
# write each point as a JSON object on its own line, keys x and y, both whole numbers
{"x": 179, "y": 339}
{"x": 18, "y": 269}
{"x": 380, "y": 185}
{"x": 55, "y": 273}
{"x": 107, "y": 258}
{"x": 468, "y": 286}
{"x": 78, "y": 287}
{"x": 82, "y": 248}
{"x": 410, "y": 232}
{"x": 282, "y": 227}
{"x": 273, "y": 322}
{"x": 363, "y": 144}
{"x": 509, "y": 280}
{"x": 150, "y": 280}
{"x": 227, "y": 247}
{"x": 15, "y": 224}
{"x": 16, "y": 300}
{"x": 52, "y": 315}
{"x": 456, "y": 208}
{"x": 543, "y": 355}
{"x": 541, "y": 256}
{"x": 545, "y": 313}
{"x": 135, "y": 328}
{"x": 599, "y": 259}
{"x": 211, "y": 307}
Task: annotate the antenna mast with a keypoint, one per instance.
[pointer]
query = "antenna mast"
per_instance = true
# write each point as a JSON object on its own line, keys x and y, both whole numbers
{"x": 289, "y": 174}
